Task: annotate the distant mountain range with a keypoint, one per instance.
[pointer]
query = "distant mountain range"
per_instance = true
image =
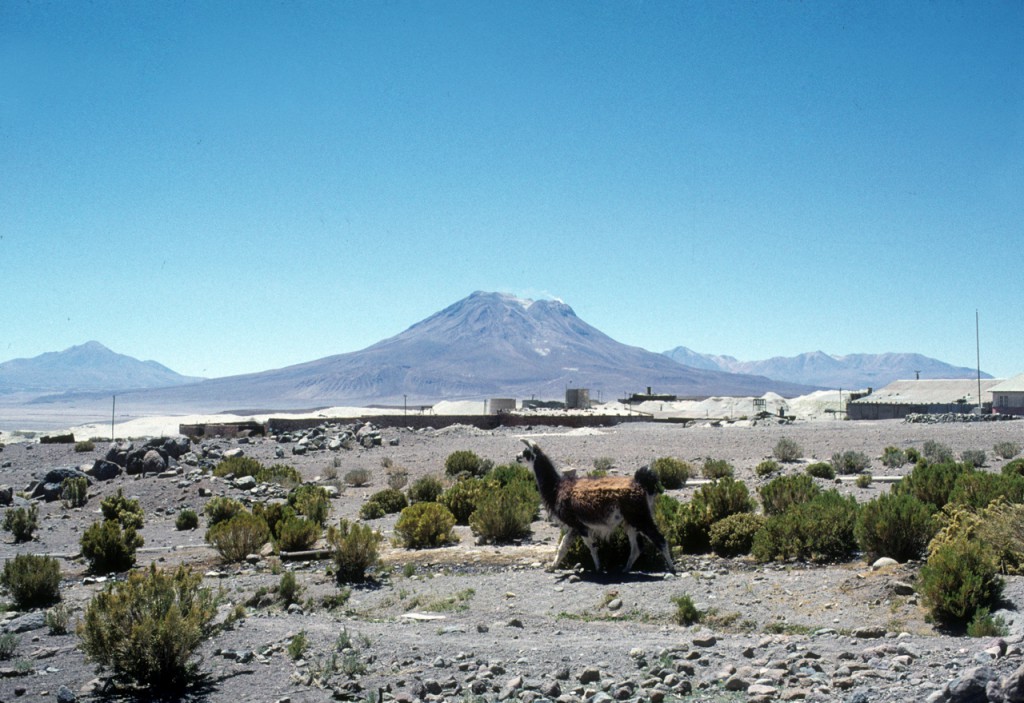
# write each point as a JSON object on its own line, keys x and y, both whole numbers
{"x": 486, "y": 345}
{"x": 86, "y": 367}
{"x": 829, "y": 370}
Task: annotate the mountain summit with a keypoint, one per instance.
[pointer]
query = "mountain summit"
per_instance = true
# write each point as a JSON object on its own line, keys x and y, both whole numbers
{"x": 486, "y": 345}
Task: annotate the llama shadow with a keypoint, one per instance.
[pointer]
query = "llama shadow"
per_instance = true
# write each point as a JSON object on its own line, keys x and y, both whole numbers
{"x": 605, "y": 578}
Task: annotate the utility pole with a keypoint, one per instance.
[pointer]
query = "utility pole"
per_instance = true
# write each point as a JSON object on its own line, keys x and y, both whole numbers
{"x": 977, "y": 346}
{"x": 113, "y": 405}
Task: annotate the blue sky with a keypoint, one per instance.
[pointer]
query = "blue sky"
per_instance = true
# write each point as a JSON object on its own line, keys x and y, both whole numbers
{"x": 228, "y": 187}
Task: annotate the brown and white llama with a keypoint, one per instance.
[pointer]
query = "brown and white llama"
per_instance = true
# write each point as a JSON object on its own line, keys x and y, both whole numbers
{"x": 592, "y": 508}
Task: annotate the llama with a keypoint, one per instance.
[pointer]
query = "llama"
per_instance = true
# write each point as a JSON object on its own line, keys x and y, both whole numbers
{"x": 593, "y": 507}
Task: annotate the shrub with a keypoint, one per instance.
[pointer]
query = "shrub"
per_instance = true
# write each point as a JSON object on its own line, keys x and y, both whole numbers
{"x": 781, "y": 493}
{"x": 8, "y": 645}
{"x": 397, "y": 476}
{"x": 1014, "y": 467}
{"x": 1006, "y": 450}
{"x": 84, "y": 446}
{"x": 426, "y": 489}
{"x": 371, "y": 511}
{"x": 465, "y": 462}
{"x": 311, "y": 501}
{"x": 893, "y": 457}
{"x": 126, "y": 511}
{"x": 937, "y": 452}
{"x": 32, "y": 580}
{"x": 787, "y": 450}
{"x": 22, "y": 522}
{"x": 281, "y": 474}
{"x": 187, "y": 519}
{"x": 505, "y": 514}
{"x": 864, "y": 480}
{"x": 976, "y": 489}
{"x": 462, "y": 497}
{"x": 357, "y": 477}
{"x": 388, "y": 501}
{"x": 931, "y": 483}
{"x": 147, "y": 628}
{"x": 850, "y": 462}
{"x": 237, "y": 538}
{"x": 984, "y": 625}
{"x": 57, "y": 619}
{"x": 974, "y": 458}
{"x": 913, "y": 456}
{"x": 288, "y": 588}
{"x": 296, "y": 534}
{"x": 604, "y": 463}
{"x": 354, "y": 549}
{"x": 734, "y": 535}
{"x": 686, "y": 612}
{"x": 238, "y": 466}
{"x": 221, "y": 509}
{"x": 716, "y": 469}
{"x": 673, "y": 473}
{"x": 274, "y": 514}
{"x": 895, "y": 526}
{"x": 107, "y": 547}
{"x": 1001, "y": 527}
{"x": 821, "y": 469}
{"x": 959, "y": 579}
{"x": 505, "y": 474}
{"x": 74, "y": 491}
{"x": 821, "y": 530}
{"x": 298, "y": 645}
{"x": 424, "y": 525}
{"x": 766, "y": 468}
{"x": 711, "y": 503}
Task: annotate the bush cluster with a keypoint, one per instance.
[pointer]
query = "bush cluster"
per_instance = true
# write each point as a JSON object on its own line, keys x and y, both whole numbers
{"x": 673, "y": 473}
{"x": 504, "y": 514}
{"x": 221, "y": 509}
{"x": 894, "y": 525}
{"x": 717, "y": 468}
{"x": 734, "y": 535}
{"x": 821, "y": 469}
{"x": 384, "y": 502}
{"x": 424, "y": 525}
{"x": 893, "y": 457}
{"x": 959, "y": 579}
{"x": 850, "y": 462}
{"x": 296, "y": 534}
{"x": 311, "y": 501}
{"x": 238, "y": 537}
{"x": 126, "y": 511}
{"x": 780, "y": 494}
{"x": 33, "y": 581}
{"x": 711, "y": 503}
{"x": 426, "y": 489}
{"x": 787, "y": 450}
{"x": 22, "y": 523}
{"x": 75, "y": 491}
{"x": 355, "y": 548}
{"x": 108, "y": 546}
{"x": 466, "y": 463}
{"x": 821, "y": 530}
{"x": 1006, "y": 450}
{"x": 187, "y": 519}
{"x": 237, "y": 466}
{"x": 463, "y": 496}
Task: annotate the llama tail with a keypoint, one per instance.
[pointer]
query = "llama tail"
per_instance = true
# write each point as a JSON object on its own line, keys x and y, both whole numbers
{"x": 648, "y": 480}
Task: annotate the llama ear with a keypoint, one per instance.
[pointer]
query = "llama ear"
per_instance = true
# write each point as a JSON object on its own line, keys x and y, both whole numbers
{"x": 531, "y": 445}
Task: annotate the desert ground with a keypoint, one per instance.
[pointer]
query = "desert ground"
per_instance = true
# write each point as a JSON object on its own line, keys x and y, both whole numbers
{"x": 474, "y": 622}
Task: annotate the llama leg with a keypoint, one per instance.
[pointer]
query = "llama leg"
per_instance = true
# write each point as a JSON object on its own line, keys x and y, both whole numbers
{"x": 634, "y": 548}
{"x": 645, "y": 524}
{"x": 568, "y": 537}
{"x": 592, "y": 546}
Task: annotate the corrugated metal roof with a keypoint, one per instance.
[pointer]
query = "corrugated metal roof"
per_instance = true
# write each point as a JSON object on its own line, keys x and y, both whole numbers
{"x": 931, "y": 392}
{"x": 1010, "y": 385}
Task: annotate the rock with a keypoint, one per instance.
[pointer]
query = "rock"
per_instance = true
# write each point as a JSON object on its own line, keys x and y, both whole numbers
{"x": 589, "y": 675}
{"x": 66, "y": 695}
{"x": 902, "y": 588}
{"x": 883, "y": 563}
{"x": 705, "y": 641}
{"x": 103, "y": 470}
{"x": 51, "y": 486}
{"x": 245, "y": 483}
{"x": 6, "y": 495}
{"x": 1013, "y": 686}
{"x": 153, "y": 462}
{"x": 26, "y": 623}
{"x": 868, "y": 633}
{"x": 233, "y": 453}
{"x": 970, "y": 687}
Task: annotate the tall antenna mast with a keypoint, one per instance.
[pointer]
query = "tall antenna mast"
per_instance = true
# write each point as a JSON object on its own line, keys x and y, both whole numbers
{"x": 977, "y": 345}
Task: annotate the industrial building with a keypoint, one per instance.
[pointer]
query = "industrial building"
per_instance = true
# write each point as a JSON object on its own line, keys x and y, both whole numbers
{"x": 932, "y": 396}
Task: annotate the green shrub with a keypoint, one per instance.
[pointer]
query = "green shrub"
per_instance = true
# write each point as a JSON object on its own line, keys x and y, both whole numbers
{"x": 893, "y": 457}
{"x": 187, "y": 519}
{"x": 716, "y": 469}
{"x": 1014, "y": 467}
{"x": 820, "y": 530}
{"x": 462, "y": 497}
{"x": 898, "y": 526}
{"x": 281, "y": 474}
{"x": 505, "y": 514}
{"x": 424, "y": 525}
{"x": 787, "y": 450}
{"x": 466, "y": 463}
{"x": 603, "y": 463}
{"x": 505, "y": 474}
{"x": 237, "y": 538}
{"x": 126, "y": 511}
{"x": 384, "y": 502}
{"x": 426, "y": 489}
{"x": 1006, "y": 450}
{"x": 711, "y": 503}
{"x": 976, "y": 489}
{"x": 85, "y": 445}
{"x": 288, "y": 588}
{"x": 397, "y": 476}
{"x": 1001, "y": 527}
{"x": 850, "y": 462}
{"x": 108, "y": 547}
{"x": 766, "y": 468}
{"x": 913, "y": 456}
{"x": 296, "y": 534}
{"x": 32, "y": 580}
{"x": 74, "y": 491}
{"x": 959, "y": 579}
{"x": 821, "y": 469}
{"x": 274, "y": 514}
{"x": 298, "y": 645}
{"x": 686, "y": 612}
{"x": 22, "y": 522}
{"x": 673, "y": 473}
{"x": 984, "y": 625}
{"x": 937, "y": 452}
{"x": 778, "y": 495}
{"x": 147, "y": 628}
{"x": 357, "y": 477}
{"x": 221, "y": 509}
{"x": 354, "y": 550}
{"x": 974, "y": 458}
{"x": 238, "y": 466}
{"x": 8, "y": 645}
{"x": 311, "y": 501}
{"x": 57, "y": 619}
{"x": 931, "y": 483}
{"x": 734, "y": 535}
{"x": 864, "y": 480}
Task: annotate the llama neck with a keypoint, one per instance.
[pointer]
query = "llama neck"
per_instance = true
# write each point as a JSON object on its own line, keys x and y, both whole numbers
{"x": 548, "y": 480}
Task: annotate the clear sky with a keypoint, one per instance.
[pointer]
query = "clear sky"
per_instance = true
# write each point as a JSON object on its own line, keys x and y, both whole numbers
{"x": 228, "y": 187}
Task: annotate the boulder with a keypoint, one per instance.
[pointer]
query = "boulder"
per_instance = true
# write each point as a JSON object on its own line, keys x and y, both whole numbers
{"x": 50, "y": 488}
{"x": 153, "y": 462}
{"x": 103, "y": 470}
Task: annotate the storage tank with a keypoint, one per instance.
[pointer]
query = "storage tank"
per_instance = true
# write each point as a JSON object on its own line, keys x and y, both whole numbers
{"x": 496, "y": 406}
{"x": 577, "y": 398}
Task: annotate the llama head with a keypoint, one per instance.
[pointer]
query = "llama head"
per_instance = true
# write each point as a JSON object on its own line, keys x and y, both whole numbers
{"x": 530, "y": 454}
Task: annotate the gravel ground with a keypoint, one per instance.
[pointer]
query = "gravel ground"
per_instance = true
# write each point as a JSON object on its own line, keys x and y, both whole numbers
{"x": 472, "y": 622}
